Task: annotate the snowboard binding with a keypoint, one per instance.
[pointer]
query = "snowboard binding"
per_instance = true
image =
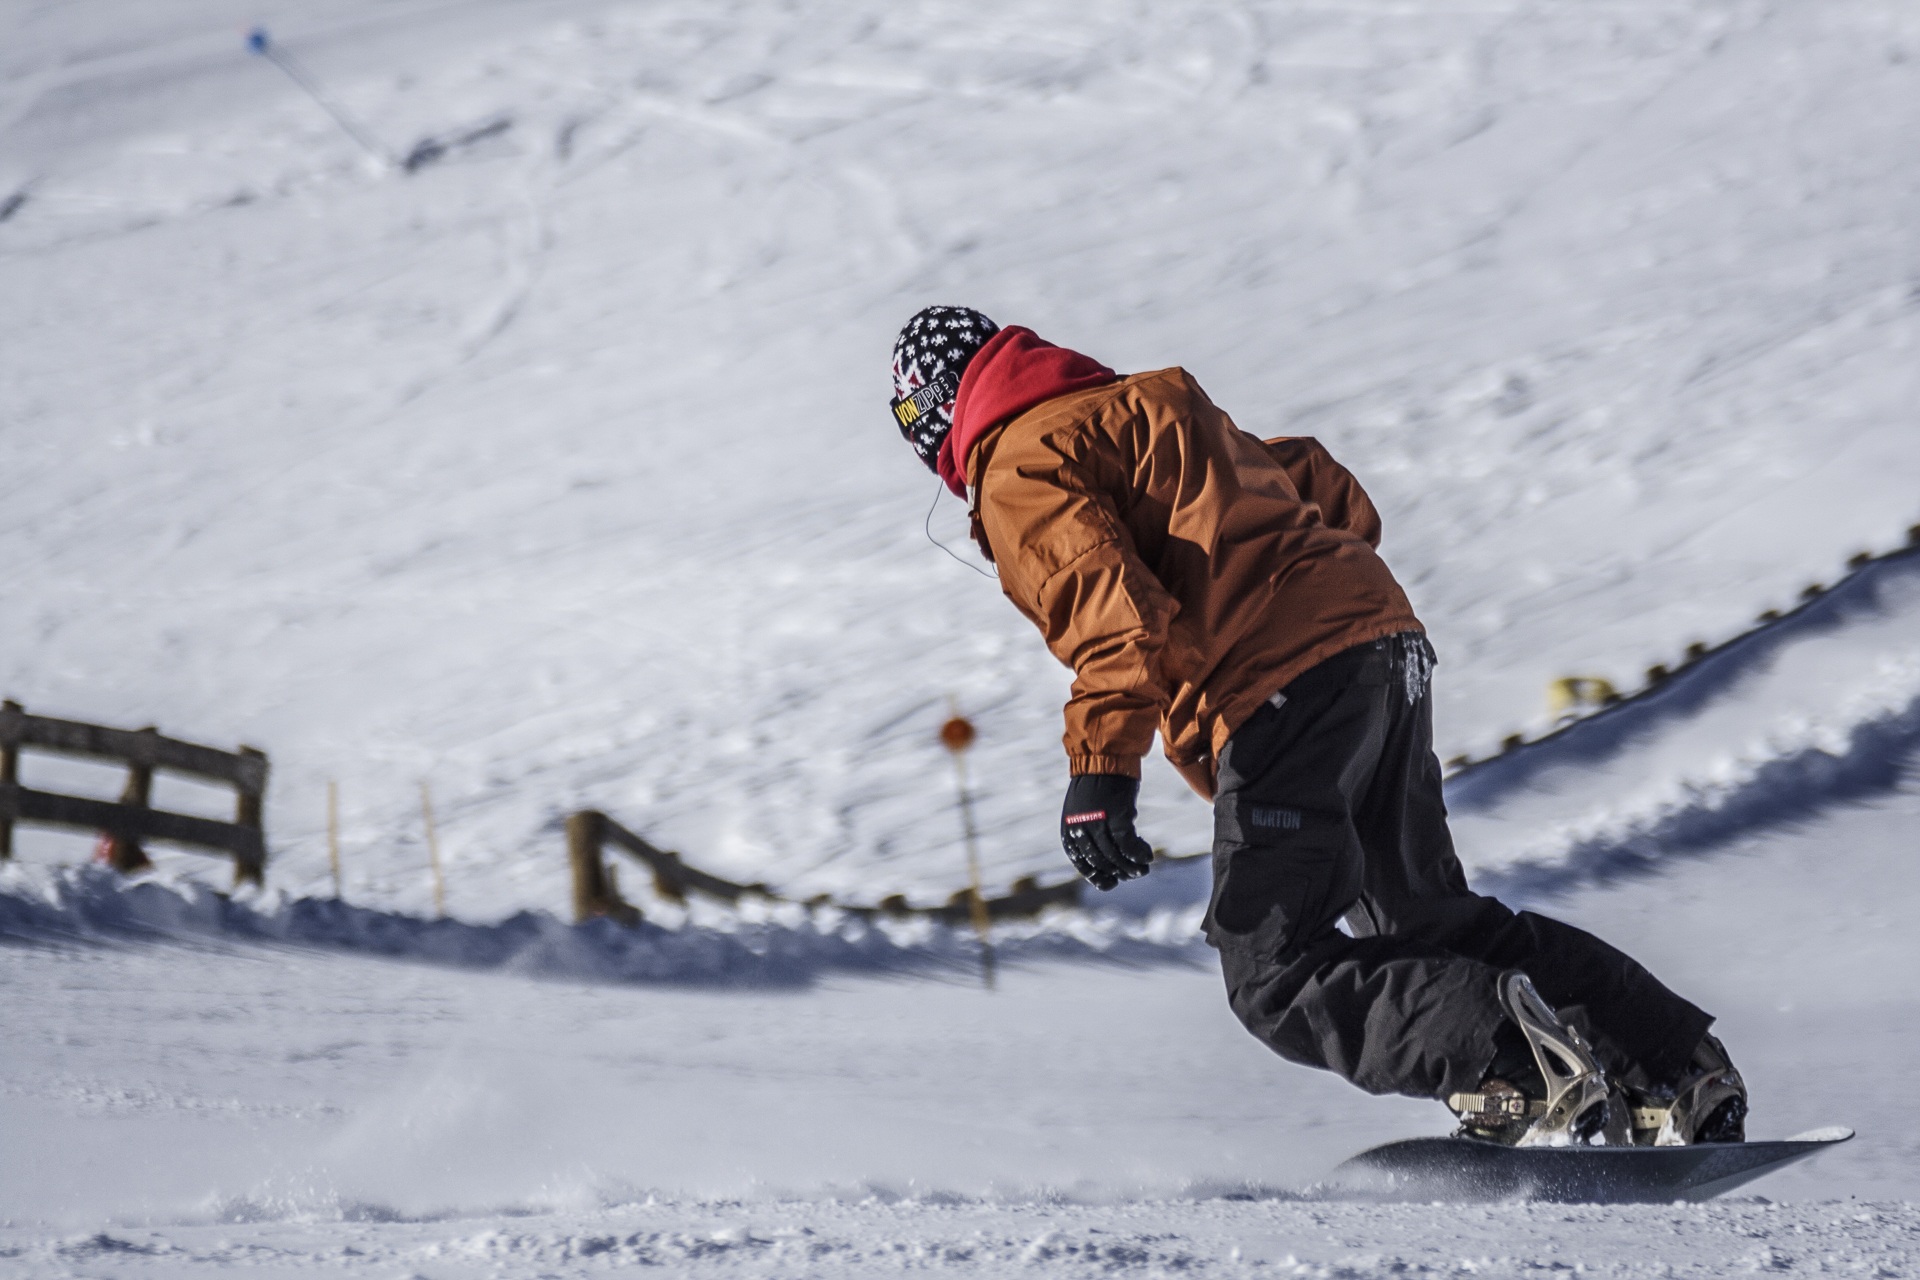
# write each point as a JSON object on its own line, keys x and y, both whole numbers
{"x": 1708, "y": 1105}
{"x": 1577, "y": 1106}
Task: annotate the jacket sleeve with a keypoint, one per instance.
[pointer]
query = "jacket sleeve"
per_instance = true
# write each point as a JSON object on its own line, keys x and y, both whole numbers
{"x": 1328, "y": 485}
{"x": 1067, "y": 561}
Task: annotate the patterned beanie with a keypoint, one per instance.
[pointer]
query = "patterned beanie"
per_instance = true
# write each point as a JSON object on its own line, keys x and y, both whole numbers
{"x": 929, "y": 358}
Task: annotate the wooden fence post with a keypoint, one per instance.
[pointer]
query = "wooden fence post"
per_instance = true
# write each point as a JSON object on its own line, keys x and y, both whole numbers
{"x": 594, "y": 891}
{"x": 333, "y": 833}
{"x": 433, "y": 851}
{"x": 119, "y": 850}
{"x": 586, "y": 831}
{"x": 248, "y": 813}
{"x": 9, "y": 777}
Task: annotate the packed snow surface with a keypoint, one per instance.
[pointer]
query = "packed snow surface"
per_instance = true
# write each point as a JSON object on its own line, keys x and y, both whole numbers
{"x": 198, "y": 1104}
{"x": 555, "y": 474}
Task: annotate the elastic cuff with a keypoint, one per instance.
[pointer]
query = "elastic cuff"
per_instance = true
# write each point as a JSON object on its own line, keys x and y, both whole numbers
{"x": 1125, "y": 766}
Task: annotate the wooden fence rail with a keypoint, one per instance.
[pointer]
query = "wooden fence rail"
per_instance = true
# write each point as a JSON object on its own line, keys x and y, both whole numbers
{"x": 596, "y": 889}
{"x": 133, "y": 819}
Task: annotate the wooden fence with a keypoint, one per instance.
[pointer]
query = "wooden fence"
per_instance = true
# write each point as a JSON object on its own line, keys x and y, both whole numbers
{"x": 133, "y": 819}
{"x": 596, "y": 889}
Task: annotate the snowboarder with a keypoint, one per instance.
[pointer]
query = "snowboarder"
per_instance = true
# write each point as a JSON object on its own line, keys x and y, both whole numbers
{"x": 1227, "y": 592}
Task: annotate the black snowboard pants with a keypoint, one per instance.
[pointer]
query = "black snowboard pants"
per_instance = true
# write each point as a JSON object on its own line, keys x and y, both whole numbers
{"x": 1329, "y": 808}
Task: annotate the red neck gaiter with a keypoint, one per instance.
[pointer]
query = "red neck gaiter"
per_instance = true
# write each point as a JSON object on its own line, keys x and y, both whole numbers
{"x": 1014, "y": 371}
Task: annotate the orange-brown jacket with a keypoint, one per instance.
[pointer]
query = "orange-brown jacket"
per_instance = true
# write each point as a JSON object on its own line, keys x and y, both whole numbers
{"x": 1183, "y": 569}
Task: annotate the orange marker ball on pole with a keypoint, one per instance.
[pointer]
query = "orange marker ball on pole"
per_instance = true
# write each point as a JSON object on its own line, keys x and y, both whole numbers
{"x": 957, "y": 734}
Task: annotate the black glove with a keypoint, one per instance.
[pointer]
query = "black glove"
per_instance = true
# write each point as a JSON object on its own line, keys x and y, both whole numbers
{"x": 1096, "y": 826}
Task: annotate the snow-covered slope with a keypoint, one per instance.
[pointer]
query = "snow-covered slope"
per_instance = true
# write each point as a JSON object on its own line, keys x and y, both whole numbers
{"x": 557, "y": 473}
{"x": 1820, "y": 706}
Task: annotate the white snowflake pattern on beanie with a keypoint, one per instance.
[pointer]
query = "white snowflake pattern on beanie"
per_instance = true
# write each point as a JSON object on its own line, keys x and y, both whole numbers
{"x": 933, "y": 349}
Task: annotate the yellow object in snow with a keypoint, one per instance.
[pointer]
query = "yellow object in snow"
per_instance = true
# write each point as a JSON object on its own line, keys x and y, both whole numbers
{"x": 1570, "y": 693}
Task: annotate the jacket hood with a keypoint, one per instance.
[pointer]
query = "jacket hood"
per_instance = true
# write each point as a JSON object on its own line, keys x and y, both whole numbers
{"x": 1016, "y": 370}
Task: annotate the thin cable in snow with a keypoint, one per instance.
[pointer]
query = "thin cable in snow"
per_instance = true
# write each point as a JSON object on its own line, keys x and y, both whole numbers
{"x": 262, "y": 45}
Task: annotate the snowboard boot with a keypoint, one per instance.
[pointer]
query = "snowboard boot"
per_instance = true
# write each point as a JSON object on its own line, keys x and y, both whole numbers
{"x": 1708, "y": 1105}
{"x": 1544, "y": 1087}
{"x": 1512, "y": 1092}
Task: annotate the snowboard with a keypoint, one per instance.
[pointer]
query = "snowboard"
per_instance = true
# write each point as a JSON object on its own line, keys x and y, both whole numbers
{"x": 1466, "y": 1169}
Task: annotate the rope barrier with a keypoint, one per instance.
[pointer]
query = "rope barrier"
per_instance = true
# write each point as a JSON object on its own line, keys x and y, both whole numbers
{"x": 1577, "y": 698}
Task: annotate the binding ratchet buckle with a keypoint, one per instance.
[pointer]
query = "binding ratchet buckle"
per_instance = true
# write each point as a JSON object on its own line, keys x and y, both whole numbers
{"x": 908, "y": 410}
{"x": 1496, "y": 1106}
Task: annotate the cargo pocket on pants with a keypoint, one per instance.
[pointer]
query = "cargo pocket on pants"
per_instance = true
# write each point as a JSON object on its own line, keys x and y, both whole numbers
{"x": 1283, "y": 895}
